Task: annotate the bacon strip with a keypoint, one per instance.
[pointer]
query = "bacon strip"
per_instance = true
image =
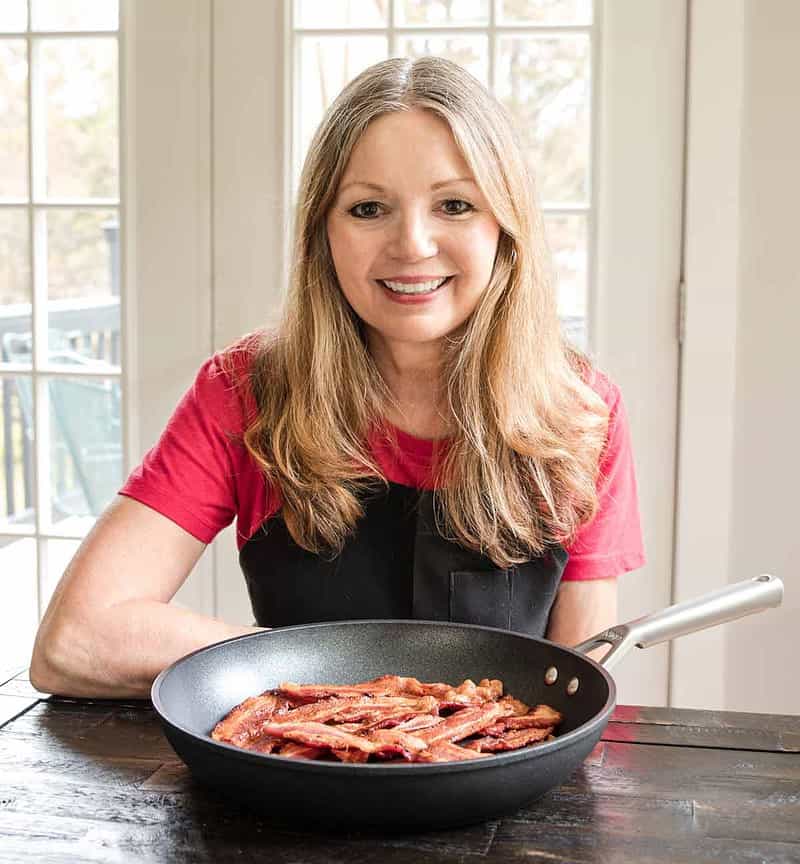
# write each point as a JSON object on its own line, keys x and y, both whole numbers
{"x": 446, "y": 751}
{"x": 383, "y": 741}
{"x": 462, "y": 724}
{"x": 240, "y": 725}
{"x": 509, "y": 740}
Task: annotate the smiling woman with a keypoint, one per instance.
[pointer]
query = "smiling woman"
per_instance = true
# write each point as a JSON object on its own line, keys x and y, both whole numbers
{"x": 415, "y": 440}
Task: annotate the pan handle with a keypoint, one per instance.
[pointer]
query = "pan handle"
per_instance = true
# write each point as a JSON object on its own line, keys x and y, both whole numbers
{"x": 727, "y": 604}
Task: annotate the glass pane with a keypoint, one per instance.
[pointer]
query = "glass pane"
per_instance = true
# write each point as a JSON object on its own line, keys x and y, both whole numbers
{"x": 15, "y": 280}
{"x": 471, "y": 52}
{"x": 567, "y": 240}
{"x": 85, "y": 449}
{"x": 19, "y": 612}
{"x": 545, "y": 84}
{"x": 83, "y": 286}
{"x": 411, "y": 13}
{"x": 322, "y": 14}
{"x": 545, "y": 12}
{"x": 13, "y": 119}
{"x": 16, "y": 451}
{"x": 74, "y": 14}
{"x": 82, "y": 133}
{"x": 13, "y": 16}
{"x": 56, "y": 556}
{"x": 327, "y": 65}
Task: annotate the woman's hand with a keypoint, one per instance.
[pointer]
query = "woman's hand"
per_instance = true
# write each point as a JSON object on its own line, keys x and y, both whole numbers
{"x": 581, "y": 610}
{"x": 109, "y": 628}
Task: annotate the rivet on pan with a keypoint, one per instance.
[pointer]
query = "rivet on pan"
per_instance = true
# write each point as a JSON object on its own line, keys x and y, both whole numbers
{"x": 572, "y": 687}
{"x": 551, "y": 675}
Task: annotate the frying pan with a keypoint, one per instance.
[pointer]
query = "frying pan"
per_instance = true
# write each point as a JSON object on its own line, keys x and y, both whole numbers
{"x": 195, "y": 692}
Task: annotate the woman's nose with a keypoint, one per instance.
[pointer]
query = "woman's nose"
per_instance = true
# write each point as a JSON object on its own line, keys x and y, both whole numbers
{"x": 413, "y": 237}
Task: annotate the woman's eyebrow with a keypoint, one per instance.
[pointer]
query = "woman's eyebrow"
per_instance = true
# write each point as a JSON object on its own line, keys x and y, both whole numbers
{"x": 378, "y": 188}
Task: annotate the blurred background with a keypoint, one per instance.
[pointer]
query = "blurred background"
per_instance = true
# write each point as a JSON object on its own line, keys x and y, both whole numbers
{"x": 149, "y": 156}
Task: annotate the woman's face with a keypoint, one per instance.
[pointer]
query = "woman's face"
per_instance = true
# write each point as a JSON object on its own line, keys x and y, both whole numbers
{"x": 408, "y": 212}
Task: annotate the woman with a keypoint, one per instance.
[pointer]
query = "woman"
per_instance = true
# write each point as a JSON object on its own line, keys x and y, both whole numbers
{"x": 415, "y": 440}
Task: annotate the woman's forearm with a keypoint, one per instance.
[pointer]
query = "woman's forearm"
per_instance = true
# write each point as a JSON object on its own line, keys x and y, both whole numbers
{"x": 120, "y": 651}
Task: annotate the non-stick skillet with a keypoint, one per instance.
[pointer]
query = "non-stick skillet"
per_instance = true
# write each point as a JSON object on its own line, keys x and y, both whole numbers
{"x": 196, "y": 691}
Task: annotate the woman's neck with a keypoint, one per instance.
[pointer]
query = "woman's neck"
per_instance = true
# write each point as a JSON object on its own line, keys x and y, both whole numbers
{"x": 412, "y": 373}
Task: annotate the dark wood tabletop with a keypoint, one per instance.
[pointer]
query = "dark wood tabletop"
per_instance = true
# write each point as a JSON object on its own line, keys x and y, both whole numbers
{"x": 97, "y": 781}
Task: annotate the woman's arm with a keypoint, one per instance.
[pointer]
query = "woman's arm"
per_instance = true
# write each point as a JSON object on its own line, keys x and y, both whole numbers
{"x": 583, "y": 609}
{"x": 109, "y": 628}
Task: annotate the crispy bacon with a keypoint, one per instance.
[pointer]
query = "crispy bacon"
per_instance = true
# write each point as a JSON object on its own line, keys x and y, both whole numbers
{"x": 446, "y": 751}
{"x": 241, "y": 725}
{"x": 391, "y": 717}
{"x": 509, "y": 740}
{"x": 462, "y": 724}
{"x": 380, "y": 742}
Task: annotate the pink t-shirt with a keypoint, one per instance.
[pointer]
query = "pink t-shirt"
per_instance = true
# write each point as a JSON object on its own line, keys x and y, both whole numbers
{"x": 201, "y": 477}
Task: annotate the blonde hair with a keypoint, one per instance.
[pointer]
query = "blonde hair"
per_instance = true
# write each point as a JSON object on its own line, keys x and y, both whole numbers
{"x": 520, "y": 470}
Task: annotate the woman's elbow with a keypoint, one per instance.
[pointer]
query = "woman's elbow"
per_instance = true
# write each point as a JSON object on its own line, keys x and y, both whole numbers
{"x": 59, "y": 650}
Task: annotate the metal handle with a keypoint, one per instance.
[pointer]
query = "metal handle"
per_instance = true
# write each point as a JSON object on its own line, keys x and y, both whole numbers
{"x": 727, "y": 604}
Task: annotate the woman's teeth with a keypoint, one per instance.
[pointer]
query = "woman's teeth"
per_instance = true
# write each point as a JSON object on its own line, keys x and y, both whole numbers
{"x": 413, "y": 288}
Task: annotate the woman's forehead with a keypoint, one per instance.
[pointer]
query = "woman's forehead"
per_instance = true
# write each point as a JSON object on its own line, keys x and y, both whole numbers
{"x": 403, "y": 146}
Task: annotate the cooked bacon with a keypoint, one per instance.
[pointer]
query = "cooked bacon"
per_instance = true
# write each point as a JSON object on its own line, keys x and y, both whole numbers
{"x": 509, "y": 740}
{"x": 376, "y": 708}
{"x": 423, "y": 721}
{"x": 264, "y": 744}
{"x": 514, "y": 706}
{"x": 462, "y": 724}
{"x": 540, "y": 717}
{"x": 350, "y": 755}
{"x": 389, "y": 717}
{"x": 241, "y": 724}
{"x": 446, "y": 751}
{"x": 385, "y": 685}
{"x": 380, "y": 742}
{"x": 300, "y": 751}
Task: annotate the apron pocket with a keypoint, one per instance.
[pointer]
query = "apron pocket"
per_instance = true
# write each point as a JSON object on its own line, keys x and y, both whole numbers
{"x": 481, "y": 597}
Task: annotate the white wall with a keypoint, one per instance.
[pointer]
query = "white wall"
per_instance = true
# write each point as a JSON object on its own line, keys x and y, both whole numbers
{"x": 766, "y": 464}
{"x": 738, "y": 462}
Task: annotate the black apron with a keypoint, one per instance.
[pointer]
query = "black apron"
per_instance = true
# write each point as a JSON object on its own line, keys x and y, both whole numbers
{"x": 397, "y": 565}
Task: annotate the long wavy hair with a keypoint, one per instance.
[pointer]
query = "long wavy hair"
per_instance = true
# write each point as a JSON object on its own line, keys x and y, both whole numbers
{"x": 520, "y": 468}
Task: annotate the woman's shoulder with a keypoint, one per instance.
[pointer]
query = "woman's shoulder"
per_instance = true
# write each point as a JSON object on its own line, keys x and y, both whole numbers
{"x": 222, "y": 385}
{"x": 604, "y": 386}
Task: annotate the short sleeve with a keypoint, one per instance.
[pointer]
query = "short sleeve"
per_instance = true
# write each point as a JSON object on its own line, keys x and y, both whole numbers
{"x": 611, "y": 544}
{"x": 189, "y": 475}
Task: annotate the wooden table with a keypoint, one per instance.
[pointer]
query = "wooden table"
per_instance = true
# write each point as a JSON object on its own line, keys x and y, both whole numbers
{"x": 97, "y": 781}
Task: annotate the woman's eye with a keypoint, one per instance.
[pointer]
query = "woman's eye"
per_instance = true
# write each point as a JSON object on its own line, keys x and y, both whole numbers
{"x": 467, "y": 206}
{"x": 368, "y": 204}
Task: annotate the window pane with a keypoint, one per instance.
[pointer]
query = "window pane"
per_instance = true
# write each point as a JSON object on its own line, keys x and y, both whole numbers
{"x": 16, "y": 452}
{"x": 545, "y": 12}
{"x": 545, "y": 84}
{"x": 327, "y": 65}
{"x": 13, "y": 16}
{"x": 83, "y": 286}
{"x": 471, "y": 52}
{"x": 15, "y": 276}
{"x": 19, "y": 613}
{"x": 74, "y": 14}
{"x": 457, "y": 12}
{"x": 85, "y": 449}
{"x": 567, "y": 240}
{"x": 322, "y": 14}
{"x": 82, "y": 134}
{"x": 13, "y": 119}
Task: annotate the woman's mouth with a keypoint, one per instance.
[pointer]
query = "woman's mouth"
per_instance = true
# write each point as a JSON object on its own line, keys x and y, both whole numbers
{"x": 414, "y": 289}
